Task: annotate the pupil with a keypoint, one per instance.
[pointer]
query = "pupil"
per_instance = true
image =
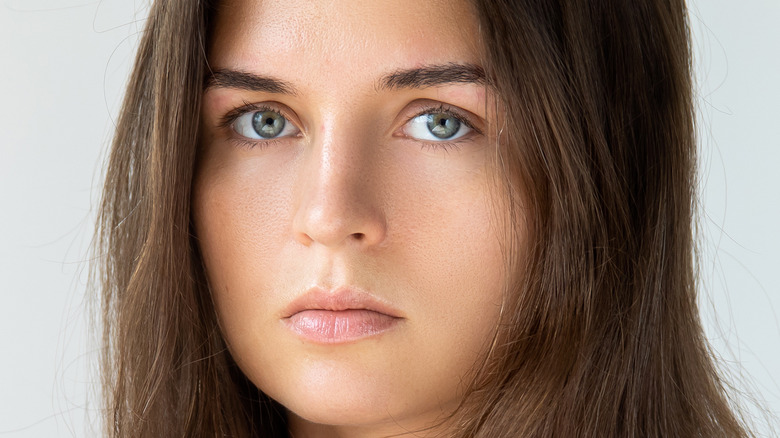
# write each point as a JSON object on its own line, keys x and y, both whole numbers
{"x": 268, "y": 124}
{"x": 443, "y": 125}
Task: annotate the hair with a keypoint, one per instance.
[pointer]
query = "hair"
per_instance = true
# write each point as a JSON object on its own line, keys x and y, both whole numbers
{"x": 600, "y": 333}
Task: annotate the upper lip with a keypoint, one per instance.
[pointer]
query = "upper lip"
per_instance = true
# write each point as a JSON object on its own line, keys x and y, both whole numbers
{"x": 342, "y": 298}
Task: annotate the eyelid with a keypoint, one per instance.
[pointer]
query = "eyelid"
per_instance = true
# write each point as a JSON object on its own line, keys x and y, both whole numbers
{"x": 463, "y": 116}
{"x": 227, "y": 120}
{"x": 423, "y": 107}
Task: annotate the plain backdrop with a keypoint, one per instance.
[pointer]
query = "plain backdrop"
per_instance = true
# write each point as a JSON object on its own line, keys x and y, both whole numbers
{"x": 64, "y": 65}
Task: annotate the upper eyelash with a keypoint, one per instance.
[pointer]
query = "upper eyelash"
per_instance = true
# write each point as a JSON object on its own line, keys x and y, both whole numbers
{"x": 228, "y": 119}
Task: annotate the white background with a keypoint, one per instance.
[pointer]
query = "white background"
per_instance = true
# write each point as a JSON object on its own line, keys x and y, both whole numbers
{"x": 64, "y": 64}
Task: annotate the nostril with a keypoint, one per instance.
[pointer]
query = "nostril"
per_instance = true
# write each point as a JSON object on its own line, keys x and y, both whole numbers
{"x": 358, "y": 236}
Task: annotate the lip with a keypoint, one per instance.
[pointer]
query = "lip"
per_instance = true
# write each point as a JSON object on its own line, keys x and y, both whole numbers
{"x": 347, "y": 314}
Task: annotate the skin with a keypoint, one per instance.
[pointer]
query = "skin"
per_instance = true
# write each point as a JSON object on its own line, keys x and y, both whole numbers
{"x": 352, "y": 199}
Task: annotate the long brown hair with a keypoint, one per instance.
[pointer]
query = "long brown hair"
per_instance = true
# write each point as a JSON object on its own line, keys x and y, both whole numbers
{"x": 600, "y": 333}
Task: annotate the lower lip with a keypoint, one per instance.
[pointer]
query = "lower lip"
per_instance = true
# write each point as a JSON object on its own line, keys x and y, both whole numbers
{"x": 335, "y": 327}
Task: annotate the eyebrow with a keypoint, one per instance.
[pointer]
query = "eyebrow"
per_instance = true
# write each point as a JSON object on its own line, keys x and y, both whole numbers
{"x": 240, "y": 80}
{"x": 433, "y": 75}
{"x": 420, "y": 77}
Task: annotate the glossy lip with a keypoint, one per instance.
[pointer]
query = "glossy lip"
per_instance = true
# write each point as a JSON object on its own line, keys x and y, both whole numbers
{"x": 345, "y": 315}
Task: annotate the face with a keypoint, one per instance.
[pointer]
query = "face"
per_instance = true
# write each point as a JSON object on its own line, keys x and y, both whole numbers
{"x": 343, "y": 207}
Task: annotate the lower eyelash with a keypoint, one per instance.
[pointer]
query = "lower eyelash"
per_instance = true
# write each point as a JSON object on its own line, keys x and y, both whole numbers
{"x": 444, "y": 146}
{"x": 247, "y": 143}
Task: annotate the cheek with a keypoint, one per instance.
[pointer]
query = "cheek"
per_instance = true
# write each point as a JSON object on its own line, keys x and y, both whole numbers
{"x": 239, "y": 216}
{"x": 451, "y": 252}
{"x": 447, "y": 232}
{"x": 453, "y": 267}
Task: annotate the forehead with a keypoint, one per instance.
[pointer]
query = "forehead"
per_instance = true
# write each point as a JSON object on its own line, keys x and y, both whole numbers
{"x": 342, "y": 39}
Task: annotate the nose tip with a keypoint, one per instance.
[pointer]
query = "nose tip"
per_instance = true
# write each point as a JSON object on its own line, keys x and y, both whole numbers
{"x": 331, "y": 226}
{"x": 339, "y": 191}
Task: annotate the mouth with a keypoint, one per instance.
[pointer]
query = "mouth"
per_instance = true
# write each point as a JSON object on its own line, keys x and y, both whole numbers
{"x": 345, "y": 315}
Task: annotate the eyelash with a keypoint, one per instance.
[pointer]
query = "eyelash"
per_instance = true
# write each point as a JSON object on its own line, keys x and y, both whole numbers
{"x": 451, "y": 111}
{"x": 226, "y": 122}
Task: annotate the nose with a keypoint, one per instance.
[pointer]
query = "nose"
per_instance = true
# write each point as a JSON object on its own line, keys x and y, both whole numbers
{"x": 337, "y": 195}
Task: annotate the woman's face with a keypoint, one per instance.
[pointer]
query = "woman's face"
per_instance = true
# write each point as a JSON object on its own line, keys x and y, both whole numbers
{"x": 343, "y": 206}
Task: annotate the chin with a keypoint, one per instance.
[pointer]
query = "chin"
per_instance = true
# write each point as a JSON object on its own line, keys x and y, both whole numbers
{"x": 329, "y": 396}
{"x": 338, "y": 395}
{"x": 338, "y": 413}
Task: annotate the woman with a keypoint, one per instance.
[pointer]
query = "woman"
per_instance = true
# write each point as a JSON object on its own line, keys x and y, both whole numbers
{"x": 450, "y": 219}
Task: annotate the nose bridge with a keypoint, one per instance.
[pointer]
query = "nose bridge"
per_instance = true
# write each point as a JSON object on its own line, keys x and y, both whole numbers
{"x": 337, "y": 202}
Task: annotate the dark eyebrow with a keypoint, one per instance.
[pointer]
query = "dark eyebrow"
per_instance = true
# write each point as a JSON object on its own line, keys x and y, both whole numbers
{"x": 247, "y": 81}
{"x": 433, "y": 75}
{"x": 421, "y": 77}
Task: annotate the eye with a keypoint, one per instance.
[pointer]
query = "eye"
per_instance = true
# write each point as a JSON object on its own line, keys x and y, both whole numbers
{"x": 263, "y": 125}
{"x": 437, "y": 126}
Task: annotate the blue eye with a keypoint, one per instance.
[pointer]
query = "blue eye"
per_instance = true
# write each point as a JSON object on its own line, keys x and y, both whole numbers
{"x": 263, "y": 125}
{"x": 436, "y": 126}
